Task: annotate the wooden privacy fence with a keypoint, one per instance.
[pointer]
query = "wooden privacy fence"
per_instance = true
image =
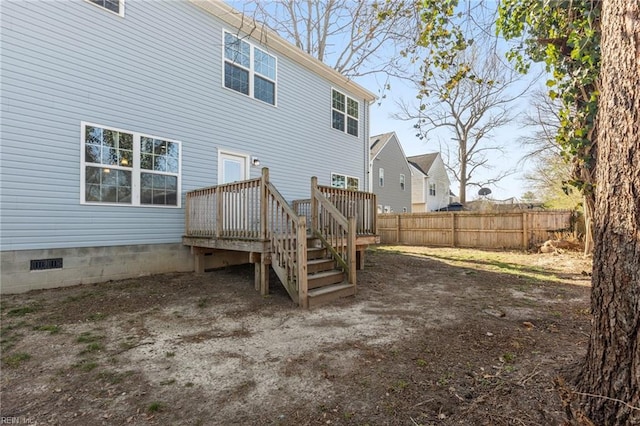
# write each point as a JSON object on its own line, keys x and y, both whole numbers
{"x": 518, "y": 229}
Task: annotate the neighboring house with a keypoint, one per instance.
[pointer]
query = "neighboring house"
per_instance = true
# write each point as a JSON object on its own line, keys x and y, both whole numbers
{"x": 430, "y": 183}
{"x": 113, "y": 110}
{"x": 390, "y": 174}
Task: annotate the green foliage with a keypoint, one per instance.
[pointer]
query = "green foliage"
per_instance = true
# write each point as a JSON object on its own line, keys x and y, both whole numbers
{"x": 443, "y": 39}
{"x": 565, "y": 35}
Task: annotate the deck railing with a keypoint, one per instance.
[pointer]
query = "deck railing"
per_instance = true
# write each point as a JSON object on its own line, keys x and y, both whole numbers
{"x": 360, "y": 205}
{"x": 337, "y": 232}
{"x": 225, "y": 211}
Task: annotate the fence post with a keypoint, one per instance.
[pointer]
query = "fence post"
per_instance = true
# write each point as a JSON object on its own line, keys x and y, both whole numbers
{"x": 525, "y": 231}
{"x": 453, "y": 229}
{"x": 397, "y": 228}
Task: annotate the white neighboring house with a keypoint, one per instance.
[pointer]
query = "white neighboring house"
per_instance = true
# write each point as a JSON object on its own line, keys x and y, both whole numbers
{"x": 429, "y": 182}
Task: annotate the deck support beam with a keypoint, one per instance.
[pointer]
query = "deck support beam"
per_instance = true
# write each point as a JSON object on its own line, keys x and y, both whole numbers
{"x": 261, "y": 272}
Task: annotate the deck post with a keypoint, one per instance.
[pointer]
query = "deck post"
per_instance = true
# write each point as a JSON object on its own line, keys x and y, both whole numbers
{"x": 314, "y": 204}
{"x": 301, "y": 260}
{"x": 263, "y": 203}
{"x": 219, "y": 212}
{"x": 351, "y": 249}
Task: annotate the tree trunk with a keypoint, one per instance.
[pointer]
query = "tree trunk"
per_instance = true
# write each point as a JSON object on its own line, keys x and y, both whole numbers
{"x": 609, "y": 385}
{"x": 462, "y": 159}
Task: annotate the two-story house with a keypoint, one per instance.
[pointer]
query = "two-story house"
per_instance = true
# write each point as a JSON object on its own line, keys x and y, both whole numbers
{"x": 113, "y": 110}
{"x": 390, "y": 175}
{"x": 430, "y": 183}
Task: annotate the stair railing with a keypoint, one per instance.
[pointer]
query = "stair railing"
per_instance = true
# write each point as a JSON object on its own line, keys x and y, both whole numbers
{"x": 288, "y": 235}
{"x": 337, "y": 233}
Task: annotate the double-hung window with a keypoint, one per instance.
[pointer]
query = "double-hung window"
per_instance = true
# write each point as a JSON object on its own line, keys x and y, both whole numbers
{"x": 115, "y": 6}
{"x": 381, "y": 176}
{"x": 345, "y": 113}
{"x": 128, "y": 168}
{"x": 402, "y": 182}
{"x": 249, "y": 70}
{"x": 343, "y": 181}
{"x": 432, "y": 189}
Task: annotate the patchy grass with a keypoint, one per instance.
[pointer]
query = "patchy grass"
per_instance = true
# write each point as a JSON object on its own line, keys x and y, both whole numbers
{"x": 92, "y": 347}
{"x": 86, "y": 365}
{"x": 155, "y": 406}
{"x": 511, "y": 263}
{"x": 89, "y": 337}
{"x": 22, "y": 311}
{"x": 113, "y": 377}
{"x": 15, "y": 360}
{"x": 98, "y": 316}
{"x": 52, "y": 329}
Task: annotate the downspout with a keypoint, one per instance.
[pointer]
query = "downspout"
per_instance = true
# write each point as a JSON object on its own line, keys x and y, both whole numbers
{"x": 367, "y": 151}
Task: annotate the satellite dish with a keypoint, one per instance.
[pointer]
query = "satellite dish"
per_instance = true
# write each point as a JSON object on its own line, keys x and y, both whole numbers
{"x": 484, "y": 191}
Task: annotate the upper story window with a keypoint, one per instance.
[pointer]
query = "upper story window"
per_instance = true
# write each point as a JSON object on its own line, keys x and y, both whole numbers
{"x": 343, "y": 181}
{"x": 249, "y": 70}
{"x": 128, "y": 168}
{"x": 115, "y": 6}
{"x": 345, "y": 113}
{"x": 381, "y": 176}
{"x": 402, "y": 182}
{"x": 432, "y": 189}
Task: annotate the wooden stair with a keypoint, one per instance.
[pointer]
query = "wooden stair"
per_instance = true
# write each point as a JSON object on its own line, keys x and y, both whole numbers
{"x": 324, "y": 280}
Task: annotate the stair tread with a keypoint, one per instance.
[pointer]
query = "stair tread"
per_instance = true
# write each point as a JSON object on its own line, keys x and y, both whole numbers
{"x": 320, "y": 260}
{"x": 326, "y": 273}
{"x": 328, "y": 289}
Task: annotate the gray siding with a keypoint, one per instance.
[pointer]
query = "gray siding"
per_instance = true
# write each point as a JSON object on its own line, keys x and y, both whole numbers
{"x": 391, "y": 158}
{"x": 156, "y": 71}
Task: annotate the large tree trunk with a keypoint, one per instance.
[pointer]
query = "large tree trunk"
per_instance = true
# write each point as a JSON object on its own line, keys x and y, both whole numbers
{"x": 609, "y": 385}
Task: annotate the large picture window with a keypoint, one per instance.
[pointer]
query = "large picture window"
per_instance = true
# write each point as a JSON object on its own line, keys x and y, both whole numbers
{"x": 345, "y": 113}
{"x": 249, "y": 70}
{"x": 343, "y": 181}
{"x": 128, "y": 168}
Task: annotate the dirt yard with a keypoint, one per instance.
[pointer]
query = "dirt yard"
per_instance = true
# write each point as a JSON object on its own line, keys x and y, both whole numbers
{"x": 433, "y": 337}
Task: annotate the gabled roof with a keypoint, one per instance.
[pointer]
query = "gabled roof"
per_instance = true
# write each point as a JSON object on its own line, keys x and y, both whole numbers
{"x": 423, "y": 162}
{"x": 377, "y": 142}
{"x": 269, "y": 38}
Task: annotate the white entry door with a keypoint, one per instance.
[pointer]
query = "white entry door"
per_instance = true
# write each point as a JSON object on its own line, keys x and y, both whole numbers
{"x": 232, "y": 168}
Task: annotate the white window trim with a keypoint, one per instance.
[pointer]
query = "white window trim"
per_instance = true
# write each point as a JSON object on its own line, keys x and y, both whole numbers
{"x": 381, "y": 177}
{"x": 346, "y": 114}
{"x": 251, "y": 70}
{"x": 120, "y": 13}
{"x": 435, "y": 189}
{"x": 222, "y": 151}
{"x": 346, "y": 177}
{"x": 135, "y": 170}
{"x": 403, "y": 182}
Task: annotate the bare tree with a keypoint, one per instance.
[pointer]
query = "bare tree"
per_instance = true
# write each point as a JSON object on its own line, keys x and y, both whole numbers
{"x": 354, "y": 37}
{"x": 468, "y": 112}
{"x": 551, "y": 171}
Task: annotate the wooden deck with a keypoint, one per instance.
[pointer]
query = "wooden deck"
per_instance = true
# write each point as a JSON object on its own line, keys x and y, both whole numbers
{"x": 315, "y": 246}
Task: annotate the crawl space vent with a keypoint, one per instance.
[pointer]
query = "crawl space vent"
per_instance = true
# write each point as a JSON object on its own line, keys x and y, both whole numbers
{"x": 42, "y": 264}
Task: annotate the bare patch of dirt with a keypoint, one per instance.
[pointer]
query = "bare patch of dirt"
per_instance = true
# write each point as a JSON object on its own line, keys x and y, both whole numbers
{"x": 434, "y": 336}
